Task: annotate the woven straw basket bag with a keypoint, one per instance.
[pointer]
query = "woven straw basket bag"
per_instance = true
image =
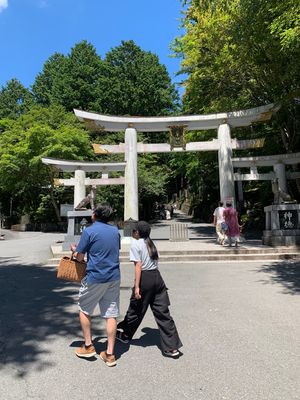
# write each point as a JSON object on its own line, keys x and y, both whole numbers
{"x": 70, "y": 269}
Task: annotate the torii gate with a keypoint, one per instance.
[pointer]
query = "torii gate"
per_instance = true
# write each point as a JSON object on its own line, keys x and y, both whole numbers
{"x": 80, "y": 181}
{"x": 282, "y": 226}
{"x": 177, "y": 125}
{"x": 277, "y": 161}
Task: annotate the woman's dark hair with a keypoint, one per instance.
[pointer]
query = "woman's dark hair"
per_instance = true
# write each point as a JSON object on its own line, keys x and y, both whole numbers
{"x": 144, "y": 230}
{"x": 228, "y": 204}
{"x": 103, "y": 212}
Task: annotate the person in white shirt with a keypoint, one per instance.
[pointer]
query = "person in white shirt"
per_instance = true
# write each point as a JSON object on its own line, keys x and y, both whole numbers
{"x": 149, "y": 290}
{"x": 219, "y": 222}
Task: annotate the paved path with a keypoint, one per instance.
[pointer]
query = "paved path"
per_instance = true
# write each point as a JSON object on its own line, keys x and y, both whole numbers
{"x": 201, "y": 235}
{"x": 239, "y": 324}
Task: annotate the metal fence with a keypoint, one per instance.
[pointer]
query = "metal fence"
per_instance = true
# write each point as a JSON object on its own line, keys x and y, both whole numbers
{"x": 179, "y": 232}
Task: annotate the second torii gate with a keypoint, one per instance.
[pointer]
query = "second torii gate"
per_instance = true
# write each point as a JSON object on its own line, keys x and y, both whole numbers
{"x": 80, "y": 181}
{"x": 278, "y": 162}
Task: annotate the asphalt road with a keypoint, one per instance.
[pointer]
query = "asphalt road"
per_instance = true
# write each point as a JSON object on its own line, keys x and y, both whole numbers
{"x": 239, "y": 324}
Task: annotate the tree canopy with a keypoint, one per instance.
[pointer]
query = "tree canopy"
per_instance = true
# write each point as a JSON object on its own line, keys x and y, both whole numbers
{"x": 15, "y": 99}
{"x": 42, "y": 132}
{"x": 72, "y": 81}
{"x": 138, "y": 83}
{"x": 240, "y": 54}
{"x": 128, "y": 81}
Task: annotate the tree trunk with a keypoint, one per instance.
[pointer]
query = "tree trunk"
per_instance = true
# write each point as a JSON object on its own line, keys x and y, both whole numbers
{"x": 57, "y": 213}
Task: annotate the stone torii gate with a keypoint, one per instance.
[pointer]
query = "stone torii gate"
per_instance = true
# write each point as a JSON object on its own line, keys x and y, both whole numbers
{"x": 80, "y": 181}
{"x": 283, "y": 216}
{"x": 278, "y": 162}
{"x": 177, "y": 125}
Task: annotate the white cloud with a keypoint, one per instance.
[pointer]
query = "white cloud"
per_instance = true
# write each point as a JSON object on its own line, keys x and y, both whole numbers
{"x": 3, "y": 4}
{"x": 42, "y": 3}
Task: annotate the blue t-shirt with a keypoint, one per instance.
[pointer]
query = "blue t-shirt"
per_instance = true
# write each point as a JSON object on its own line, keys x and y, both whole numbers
{"x": 101, "y": 242}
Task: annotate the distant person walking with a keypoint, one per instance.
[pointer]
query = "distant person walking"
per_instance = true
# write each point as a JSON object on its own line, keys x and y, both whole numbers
{"x": 231, "y": 219}
{"x": 101, "y": 285}
{"x": 218, "y": 221}
{"x": 149, "y": 290}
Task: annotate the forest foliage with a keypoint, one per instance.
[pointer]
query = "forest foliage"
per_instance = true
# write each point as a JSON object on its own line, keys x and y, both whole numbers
{"x": 239, "y": 54}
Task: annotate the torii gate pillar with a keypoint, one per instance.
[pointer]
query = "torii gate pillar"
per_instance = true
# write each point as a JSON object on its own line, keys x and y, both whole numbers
{"x": 279, "y": 169}
{"x": 79, "y": 187}
{"x": 131, "y": 205}
{"x": 226, "y": 177}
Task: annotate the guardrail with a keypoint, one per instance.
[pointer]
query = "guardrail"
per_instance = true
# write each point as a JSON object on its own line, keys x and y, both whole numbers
{"x": 179, "y": 232}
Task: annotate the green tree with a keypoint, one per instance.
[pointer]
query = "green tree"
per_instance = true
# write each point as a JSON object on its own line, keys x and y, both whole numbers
{"x": 137, "y": 83}
{"x": 153, "y": 179}
{"x": 129, "y": 81}
{"x": 74, "y": 81}
{"x": 43, "y": 86}
{"x": 15, "y": 99}
{"x": 40, "y": 133}
{"x": 241, "y": 54}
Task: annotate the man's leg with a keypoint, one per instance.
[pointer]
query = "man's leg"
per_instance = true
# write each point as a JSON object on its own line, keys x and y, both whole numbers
{"x": 87, "y": 350}
{"x": 87, "y": 303}
{"x": 85, "y": 322}
{"x": 111, "y": 329}
{"x": 219, "y": 233}
{"x": 109, "y": 308}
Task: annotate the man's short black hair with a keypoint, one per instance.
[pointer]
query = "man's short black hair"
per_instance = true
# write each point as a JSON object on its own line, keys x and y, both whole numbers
{"x": 103, "y": 212}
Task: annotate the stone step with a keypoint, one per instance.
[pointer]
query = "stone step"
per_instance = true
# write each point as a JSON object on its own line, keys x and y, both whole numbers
{"x": 218, "y": 250}
{"x": 181, "y": 258}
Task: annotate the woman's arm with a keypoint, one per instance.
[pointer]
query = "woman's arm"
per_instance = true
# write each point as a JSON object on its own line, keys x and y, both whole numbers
{"x": 137, "y": 281}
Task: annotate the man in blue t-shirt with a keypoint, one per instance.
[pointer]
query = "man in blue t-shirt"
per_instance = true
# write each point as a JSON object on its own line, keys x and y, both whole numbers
{"x": 101, "y": 285}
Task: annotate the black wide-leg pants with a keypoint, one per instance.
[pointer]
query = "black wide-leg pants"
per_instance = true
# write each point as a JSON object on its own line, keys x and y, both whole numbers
{"x": 154, "y": 294}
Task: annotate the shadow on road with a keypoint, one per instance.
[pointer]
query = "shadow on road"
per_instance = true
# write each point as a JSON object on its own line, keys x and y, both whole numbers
{"x": 150, "y": 337}
{"x": 287, "y": 273}
{"x": 36, "y": 308}
{"x": 203, "y": 232}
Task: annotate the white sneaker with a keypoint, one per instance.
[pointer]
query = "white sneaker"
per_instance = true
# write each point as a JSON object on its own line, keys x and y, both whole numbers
{"x": 171, "y": 353}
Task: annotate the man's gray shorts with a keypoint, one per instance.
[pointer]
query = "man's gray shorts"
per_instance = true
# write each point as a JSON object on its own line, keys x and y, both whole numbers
{"x": 107, "y": 295}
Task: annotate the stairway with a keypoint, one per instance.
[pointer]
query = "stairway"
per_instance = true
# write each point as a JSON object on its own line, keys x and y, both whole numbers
{"x": 182, "y": 240}
{"x": 181, "y": 252}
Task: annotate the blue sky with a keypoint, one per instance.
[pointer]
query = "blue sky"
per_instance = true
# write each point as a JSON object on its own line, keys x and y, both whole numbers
{"x": 32, "y": 30}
